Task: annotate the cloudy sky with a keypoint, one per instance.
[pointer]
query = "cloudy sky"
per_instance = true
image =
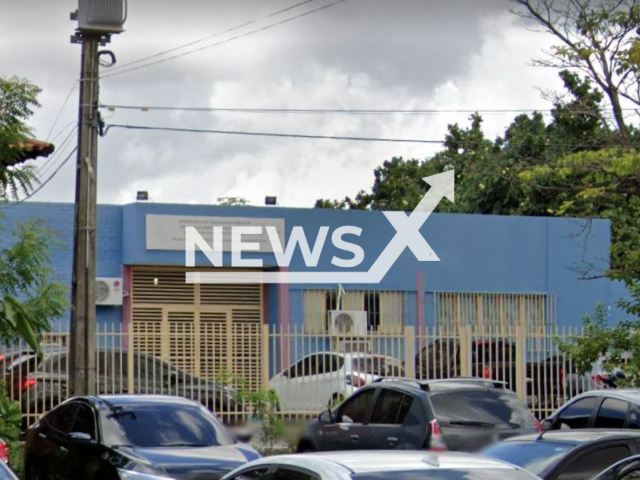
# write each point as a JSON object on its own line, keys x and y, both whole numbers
{"x": 359, "y": 54}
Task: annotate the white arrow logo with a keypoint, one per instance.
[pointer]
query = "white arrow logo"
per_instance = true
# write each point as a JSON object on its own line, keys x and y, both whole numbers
{"x": 407, "y": 236}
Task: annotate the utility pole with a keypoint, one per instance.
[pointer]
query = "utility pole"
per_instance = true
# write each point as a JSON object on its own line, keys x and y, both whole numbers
{"x": 83, "y": 313}
{"x": 97, "y": 20}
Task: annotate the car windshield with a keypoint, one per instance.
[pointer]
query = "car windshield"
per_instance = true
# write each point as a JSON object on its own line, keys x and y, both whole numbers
{"x": 149, "y": 426}
{"x": 379, "y": 366}
{"x": 500, "y": 408}
{"x": 535, "y": 456}
{"x": 457, "y": 474}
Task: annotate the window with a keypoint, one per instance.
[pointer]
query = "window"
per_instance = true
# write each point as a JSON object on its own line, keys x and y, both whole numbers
{"x": 391, "y": 408}
{"x": 305, "y": 367}
{"x": 328, "y": 364}
{"x": 54, "y": 364}
{"x": 85, "y": 421}
{"x": 259, "y": 473}
{"x": 493, "y": 407}
{"x": 612, "y": 414}
{"x": 163, "y": 425}
{"x": 62, "y": 417}
{"x": 355, "y": 409}
{"x": 286, "y": 473}
{"x": 372, "y": 307}
{"x": 634, "y": 417}
{"x": 593, "y": 462}
{"x": 577, "y": 414}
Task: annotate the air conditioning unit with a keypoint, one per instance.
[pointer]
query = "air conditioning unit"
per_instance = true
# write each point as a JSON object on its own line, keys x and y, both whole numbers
{"x": 345, "y": 323}
{"x": 108, "y": 291}
{"x": 101, "y": 16}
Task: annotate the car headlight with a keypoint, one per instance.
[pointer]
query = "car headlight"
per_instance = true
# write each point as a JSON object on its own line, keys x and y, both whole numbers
{"x": 131, "y": 475}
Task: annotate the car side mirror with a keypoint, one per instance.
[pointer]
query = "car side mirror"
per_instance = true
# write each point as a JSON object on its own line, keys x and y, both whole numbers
{"x": 325, "y": 417}
{"x": 80, "y": 438}
{"x": 546, "y": 424}
{"x": 243, "y": 436}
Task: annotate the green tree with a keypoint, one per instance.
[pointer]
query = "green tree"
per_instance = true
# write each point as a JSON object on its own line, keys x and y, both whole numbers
{"x": 18, "y": 98}
{"x": 29, "y": 297}
{"x": 599, "y": 40}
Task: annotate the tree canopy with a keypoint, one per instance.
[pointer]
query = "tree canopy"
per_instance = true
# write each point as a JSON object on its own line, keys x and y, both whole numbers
{"x": 29, "y": 296}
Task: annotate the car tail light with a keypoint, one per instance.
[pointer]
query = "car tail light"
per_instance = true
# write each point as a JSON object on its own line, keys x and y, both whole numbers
{"x": 25, "y": 384}
{"x": 356, "y": 381}
{"x": 436, "y": 442}
{"x": 487, "y": 373}
{"x": 4, "y": 452}
{"x": 539, "y": 426}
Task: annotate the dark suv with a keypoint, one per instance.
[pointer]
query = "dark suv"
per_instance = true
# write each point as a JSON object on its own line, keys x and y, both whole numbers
{"x": 392, "y": 413}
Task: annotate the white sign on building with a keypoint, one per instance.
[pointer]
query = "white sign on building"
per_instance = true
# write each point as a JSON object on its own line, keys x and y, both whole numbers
{"x": 167, "y": 232}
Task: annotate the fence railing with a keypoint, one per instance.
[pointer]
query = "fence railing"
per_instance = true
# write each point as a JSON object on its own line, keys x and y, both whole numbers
{"x": 308, "y": 371}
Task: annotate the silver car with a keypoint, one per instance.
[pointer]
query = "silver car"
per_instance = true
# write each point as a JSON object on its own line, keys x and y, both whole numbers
{"x": 378, "y": 465}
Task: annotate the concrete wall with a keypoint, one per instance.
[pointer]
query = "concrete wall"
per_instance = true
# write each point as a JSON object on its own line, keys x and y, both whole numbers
{"x": 478, "y": 253}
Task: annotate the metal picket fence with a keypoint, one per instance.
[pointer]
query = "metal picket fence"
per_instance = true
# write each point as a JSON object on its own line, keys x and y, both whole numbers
{"x": 308, "y": 371}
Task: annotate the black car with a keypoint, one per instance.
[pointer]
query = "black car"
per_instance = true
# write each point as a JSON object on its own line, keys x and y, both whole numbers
{"x": 136, "y": 437}
{"x": 46, "y": 385}
{"x": 567, "y": 454}
{"x": 598, "y": 409}
{"x": 457, "y": 414}
{"x": 627, "y": 469}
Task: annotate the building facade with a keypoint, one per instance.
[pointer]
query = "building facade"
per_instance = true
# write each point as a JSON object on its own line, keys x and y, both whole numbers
{"x": 493, "y": 270}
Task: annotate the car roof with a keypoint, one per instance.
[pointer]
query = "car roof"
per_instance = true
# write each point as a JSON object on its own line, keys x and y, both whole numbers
{"x": 129, "y": 400}
{"x": 628, "y": 394}
{"x": 577, "y": 436}
{"x": 435, "y": 386}
{"x": 381, "y": 461}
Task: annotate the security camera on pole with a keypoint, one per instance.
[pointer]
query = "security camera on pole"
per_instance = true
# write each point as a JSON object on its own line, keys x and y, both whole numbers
{"x": 97, "y": 21}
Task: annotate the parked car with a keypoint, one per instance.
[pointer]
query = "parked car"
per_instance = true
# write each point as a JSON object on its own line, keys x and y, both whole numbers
{"x": 136, "y": 437}
{"x": 378, "y": 466}
{"x": 567, "y": 454}
{"x": 490, "y": 359}
{"x": 6, "y": 473}
{"x": 627, "y": 469}
{"x": 618, "y": 408}
{"x": 327, "y": 378}
{"x": 47, "y": 384}
{"x": 494, "y": 359}
{"x": 4, "y": 452}
{"x": 457, "y": 414}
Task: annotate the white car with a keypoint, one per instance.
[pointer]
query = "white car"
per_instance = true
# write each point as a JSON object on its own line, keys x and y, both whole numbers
{"x": 379, "y": 465}
{"x": 327, "y": 378}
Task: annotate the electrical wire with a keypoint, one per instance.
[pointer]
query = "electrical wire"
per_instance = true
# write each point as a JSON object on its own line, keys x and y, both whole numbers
{"x": 337, "y": 137}
{"x": 209, "y": 37}
{"x": 42, "y": 170}
{"x": 43, "y": 184}
{"x": 64, "y": 104}
{"x": 246, "y": 34}
{"x": 332, "y": 111}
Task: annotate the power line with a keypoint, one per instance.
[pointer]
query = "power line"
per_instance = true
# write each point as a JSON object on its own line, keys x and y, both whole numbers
{"x": 51, "y": 160}
{"x": 338, "y": 111}
{"x": 339, "y": 137}
{"x": 209, "y": 37}
{"x": 64, "y": 104}
{"x": 251, "y": 32}
{"x": 43, "y": 184}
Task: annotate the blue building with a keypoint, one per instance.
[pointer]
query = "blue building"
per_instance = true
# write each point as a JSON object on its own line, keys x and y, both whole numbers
{"x": 493, "y": 269}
